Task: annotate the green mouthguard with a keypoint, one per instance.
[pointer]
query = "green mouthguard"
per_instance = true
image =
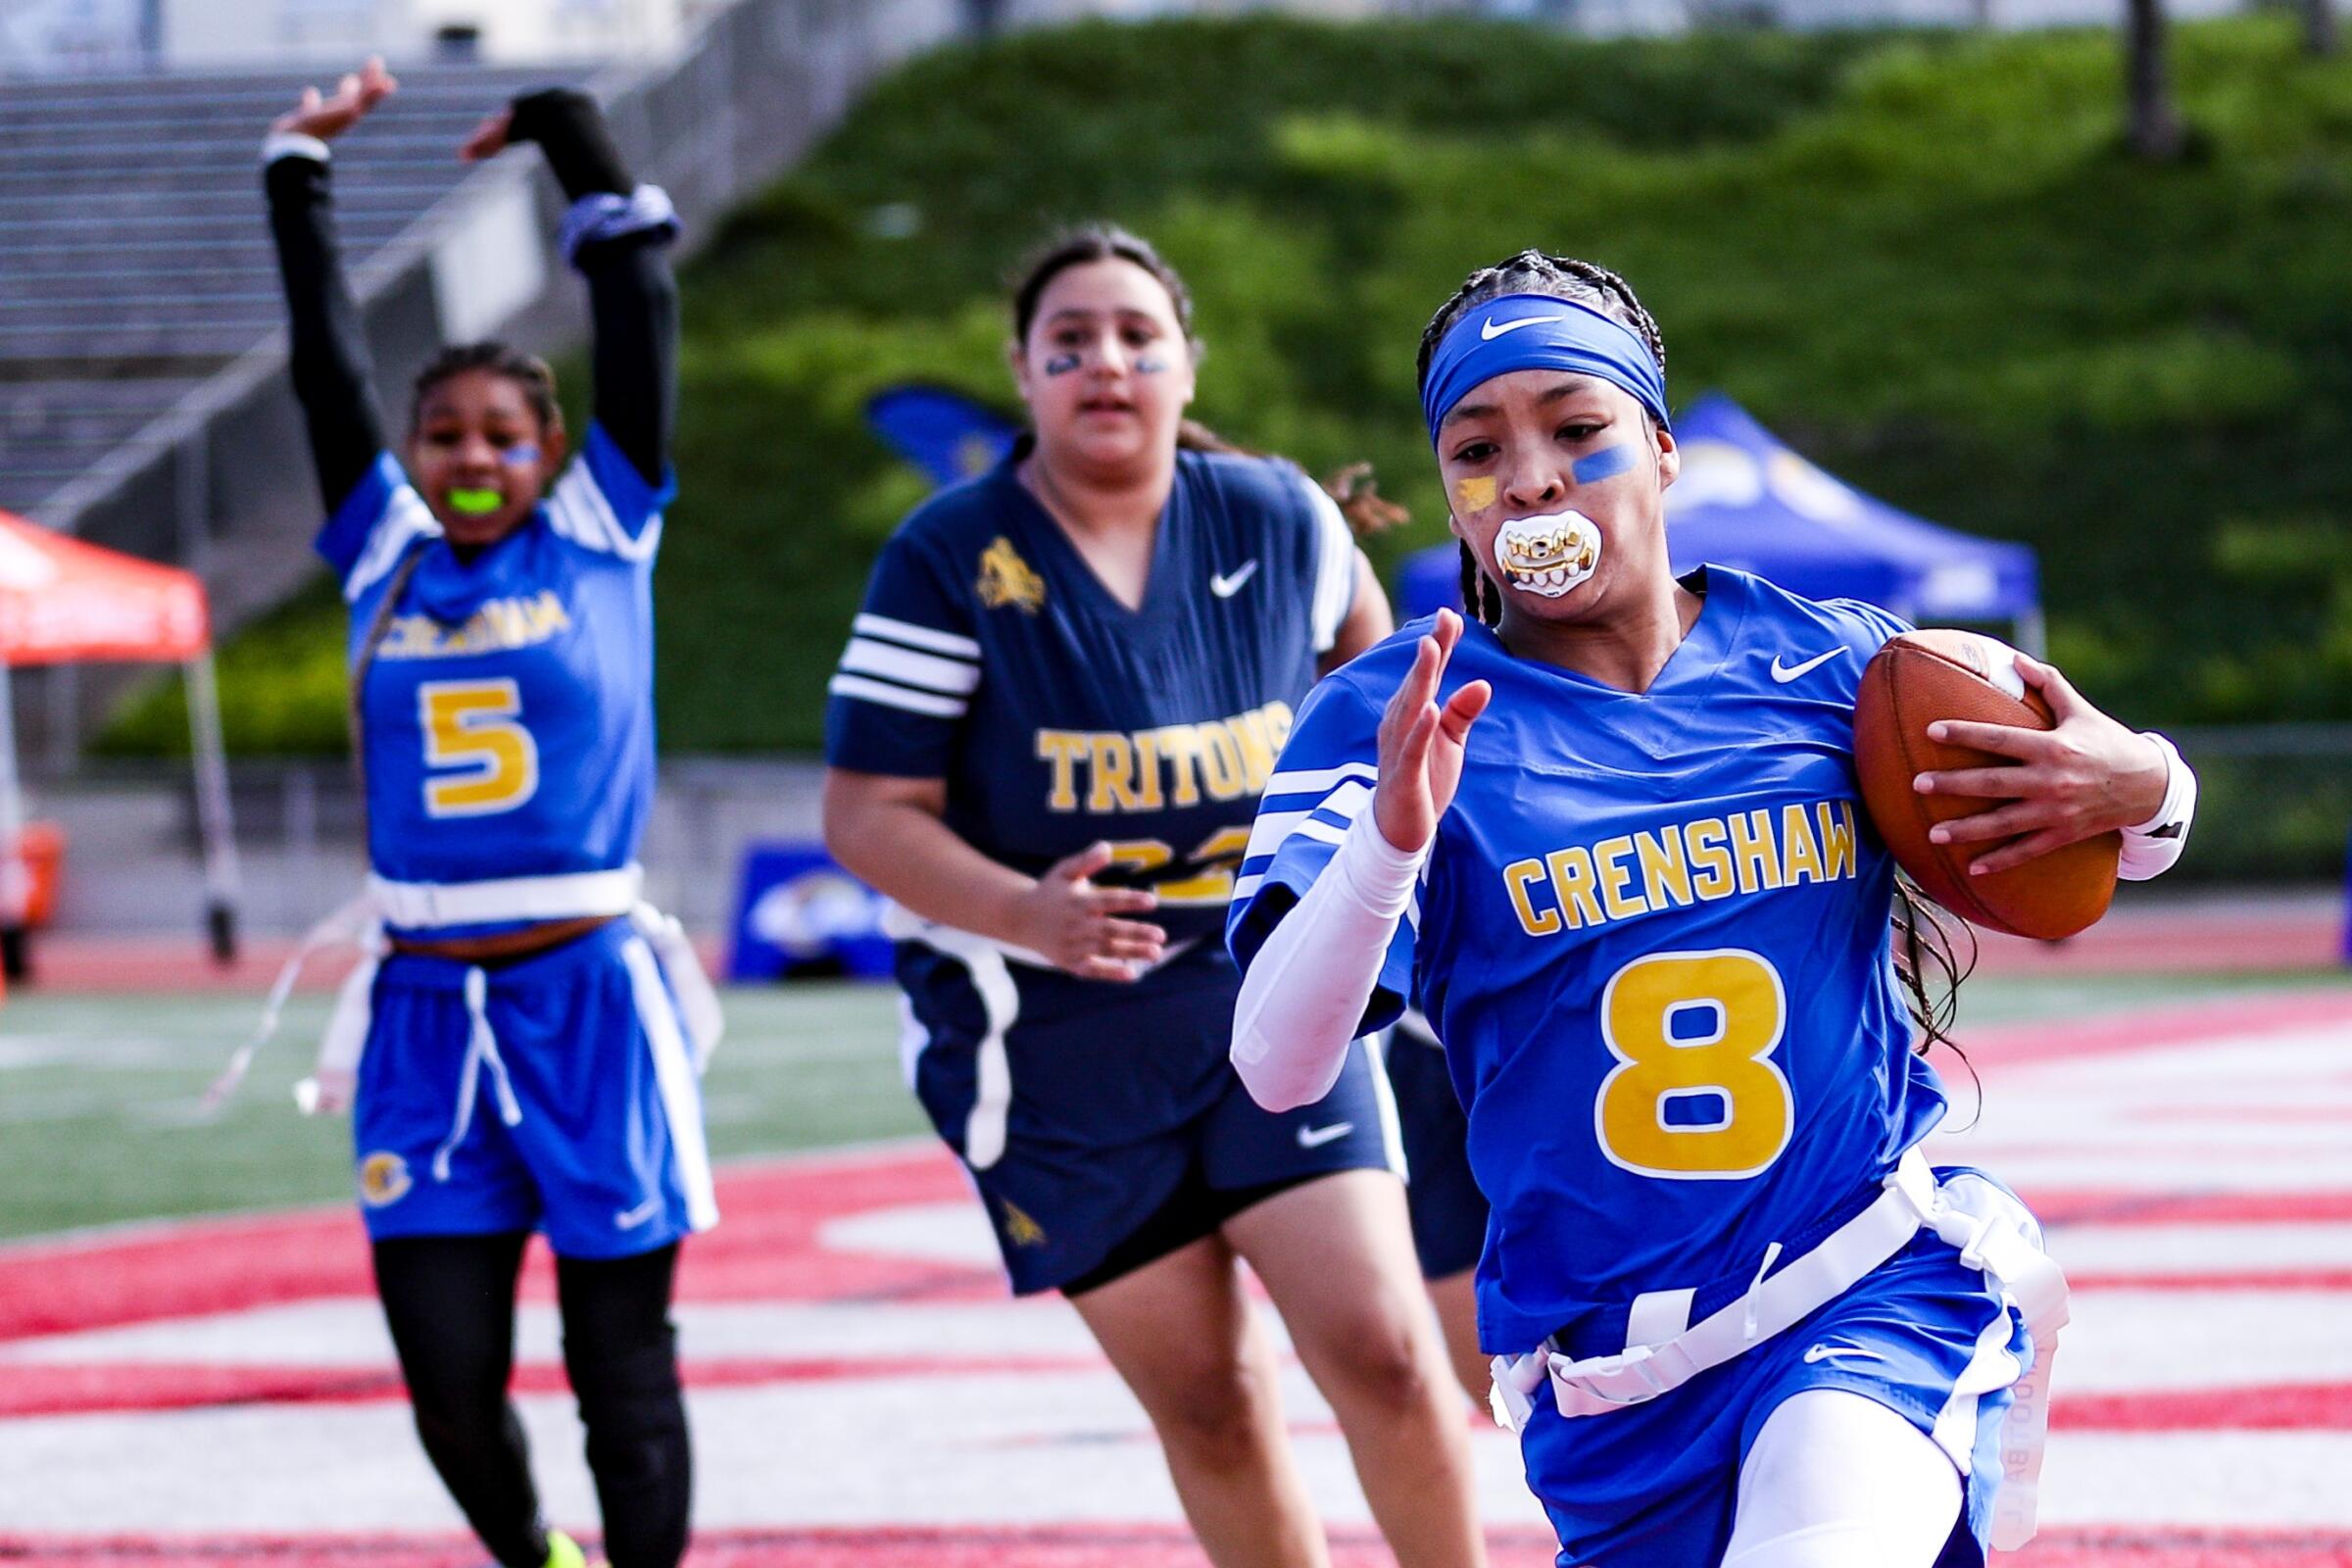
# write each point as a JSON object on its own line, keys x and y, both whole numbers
{"x": 474, "y": 503}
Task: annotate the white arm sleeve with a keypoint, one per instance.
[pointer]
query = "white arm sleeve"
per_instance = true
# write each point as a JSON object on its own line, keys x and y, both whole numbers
{"x": 2152, "y": 847}
{"x": 1306, "y": 990}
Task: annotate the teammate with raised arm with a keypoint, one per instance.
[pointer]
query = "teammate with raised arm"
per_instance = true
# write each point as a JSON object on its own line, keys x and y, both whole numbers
{"x": 527, "y": 1065}
{"x": 1607, "y": 837}
{"x": 1048, "y": 736}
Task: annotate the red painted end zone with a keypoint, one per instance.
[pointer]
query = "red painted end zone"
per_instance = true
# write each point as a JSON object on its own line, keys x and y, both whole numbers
{"x": 1080, "y": 1547}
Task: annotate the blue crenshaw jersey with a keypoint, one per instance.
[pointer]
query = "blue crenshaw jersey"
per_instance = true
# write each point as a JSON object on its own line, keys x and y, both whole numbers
{"x": 1653, "y": 935}
{"x": 508, "y": 712}
{"x": 988, "y": 653}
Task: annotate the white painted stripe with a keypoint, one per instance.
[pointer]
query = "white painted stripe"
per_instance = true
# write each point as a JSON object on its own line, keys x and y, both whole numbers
{"x": 1319, "y": 781}
{"x": 2212, "y": 1248}
{"x": 912, "y": 1038}
{"x": 569, "y": 896}
{"x": 2151, "y": 1341}
{"x": 909, "y": 669}
{"x": 913, "y": 636}
{"x": 913, "y": 701}
{"x": 673, "y": 1075}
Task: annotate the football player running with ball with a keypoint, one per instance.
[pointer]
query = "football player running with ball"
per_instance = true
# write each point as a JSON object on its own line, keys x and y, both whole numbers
{"x": 1048, "y": 736}
{"x": 527, "y": 1065}
{"x": 1607, "y": 837}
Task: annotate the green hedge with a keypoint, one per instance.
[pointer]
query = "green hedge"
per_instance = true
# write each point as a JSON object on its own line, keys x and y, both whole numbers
{"x": 1920, "y": 257}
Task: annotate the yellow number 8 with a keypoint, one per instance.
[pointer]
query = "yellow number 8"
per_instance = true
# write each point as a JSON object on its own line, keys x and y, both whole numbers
{"x": 1737, "y": 998}
{"x": 470, "y": 723}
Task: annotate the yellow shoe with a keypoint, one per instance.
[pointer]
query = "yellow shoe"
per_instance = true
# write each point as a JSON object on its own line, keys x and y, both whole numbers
{"x": 564, "y": 1553}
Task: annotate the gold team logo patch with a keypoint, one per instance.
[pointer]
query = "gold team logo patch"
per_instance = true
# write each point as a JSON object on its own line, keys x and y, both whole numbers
{"x": 383, "y": 1179}
{"x": 1007, "y": 580}
{"x": 1019, "y": 1229}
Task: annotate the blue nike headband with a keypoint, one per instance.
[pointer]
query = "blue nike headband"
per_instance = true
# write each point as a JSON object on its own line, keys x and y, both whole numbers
{"x": 1538, "y": 332}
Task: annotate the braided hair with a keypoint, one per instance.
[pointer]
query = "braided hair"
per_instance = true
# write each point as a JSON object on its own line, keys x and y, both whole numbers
{"x": 1928, "y": 962}
{"x": 1533, "y": 272}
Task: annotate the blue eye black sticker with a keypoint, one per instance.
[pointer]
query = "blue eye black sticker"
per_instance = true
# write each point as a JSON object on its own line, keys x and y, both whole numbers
{"x": 1606, "y": 464}
{"x": 1061, "y": 363}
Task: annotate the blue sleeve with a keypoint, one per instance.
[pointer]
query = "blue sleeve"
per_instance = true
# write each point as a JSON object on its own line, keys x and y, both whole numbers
{"x": 1322, "y": 781}
{"x": 605, "y": 505}
{"x": 899, "y": 697}
{"x": 1876, "y": 627}
{"x": 368, "y": 534}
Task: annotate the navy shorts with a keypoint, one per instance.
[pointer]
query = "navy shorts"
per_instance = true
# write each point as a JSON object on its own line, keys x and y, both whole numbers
{"x": 1449, "y": 1212}
{"x": 1083, "y": 1110}
{"x": 578, "y": 1116}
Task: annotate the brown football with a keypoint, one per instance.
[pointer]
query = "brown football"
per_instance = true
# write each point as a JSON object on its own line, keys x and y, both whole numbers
{"x": 1916, "y": 679}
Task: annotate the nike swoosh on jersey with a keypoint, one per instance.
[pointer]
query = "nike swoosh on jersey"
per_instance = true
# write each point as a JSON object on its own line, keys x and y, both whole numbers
{"x": 1226, "y": 587}
{"x": 1317, "y": 1137}
{"x": 628, "y": 1220}
{"x": 1849, "y": 1352}
{"x": 1785, "y": 674}
{"x": 1491, "y": 330}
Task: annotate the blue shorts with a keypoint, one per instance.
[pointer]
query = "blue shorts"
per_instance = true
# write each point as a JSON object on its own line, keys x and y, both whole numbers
{"x": 1654, "y": 1484}
{"x": 1081, "y": 1109}
{"x": 596, "y": 1136}
{"x": 1449, "y": 1212}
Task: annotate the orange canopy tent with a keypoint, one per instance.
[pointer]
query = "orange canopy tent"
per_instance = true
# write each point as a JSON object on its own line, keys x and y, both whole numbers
{"x": 63, "y": 601}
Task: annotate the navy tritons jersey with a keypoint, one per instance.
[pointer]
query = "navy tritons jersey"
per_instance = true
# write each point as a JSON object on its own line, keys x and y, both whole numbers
{"x": 989, "y": 654}
{"x": 1653, "y": 935}
{"x": 508, "y": 714}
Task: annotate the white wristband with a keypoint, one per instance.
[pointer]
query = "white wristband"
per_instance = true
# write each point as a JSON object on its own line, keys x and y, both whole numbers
{"x": 291, "y": 144}
{"x": 2152, "y": 847}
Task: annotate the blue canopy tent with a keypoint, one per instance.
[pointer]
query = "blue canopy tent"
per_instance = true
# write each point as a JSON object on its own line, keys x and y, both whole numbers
{"x": 1746, "y": 501}
{"x": 947, "y": 435}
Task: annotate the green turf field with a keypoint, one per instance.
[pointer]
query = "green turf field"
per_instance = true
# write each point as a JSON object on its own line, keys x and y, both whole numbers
{"x": 98, "y": 1095}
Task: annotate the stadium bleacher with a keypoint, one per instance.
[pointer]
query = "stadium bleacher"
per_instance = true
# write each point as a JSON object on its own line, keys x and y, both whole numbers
{"x": 133, "y": 258}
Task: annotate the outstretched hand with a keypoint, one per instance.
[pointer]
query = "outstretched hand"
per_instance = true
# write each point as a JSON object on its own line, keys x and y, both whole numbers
{"x": 324, "y": 118}
{"x": 489, "y": 138}
{"x": 2085, "y": 776}
{"x": 1421, "y": 742}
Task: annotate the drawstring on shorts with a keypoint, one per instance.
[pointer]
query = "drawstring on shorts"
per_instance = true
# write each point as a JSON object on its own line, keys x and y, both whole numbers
{"x": 481, "y": 1050}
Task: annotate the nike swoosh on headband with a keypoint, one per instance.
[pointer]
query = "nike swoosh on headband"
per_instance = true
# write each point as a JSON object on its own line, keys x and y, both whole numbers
{"x": 1490, "y": 332}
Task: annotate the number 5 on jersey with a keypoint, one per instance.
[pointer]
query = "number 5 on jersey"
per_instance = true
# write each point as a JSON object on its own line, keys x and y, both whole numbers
{"x": 473, "y": 725}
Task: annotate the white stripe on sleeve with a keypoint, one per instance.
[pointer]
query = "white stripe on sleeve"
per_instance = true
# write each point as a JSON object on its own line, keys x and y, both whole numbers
{"x": 406, "y": 518}
{"x": 582, "y": 512}
{"x": 1319, "y": 781}
{"x": 1335, "y": 565}
{"x": 901, "y": 697}
{"x": 906, "y": 631}
{"x": 909, "y": 669}
{"x": 1268, "y": 833}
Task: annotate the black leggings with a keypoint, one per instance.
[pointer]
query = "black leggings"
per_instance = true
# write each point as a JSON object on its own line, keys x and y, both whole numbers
{"x": 450, "y": 1303}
